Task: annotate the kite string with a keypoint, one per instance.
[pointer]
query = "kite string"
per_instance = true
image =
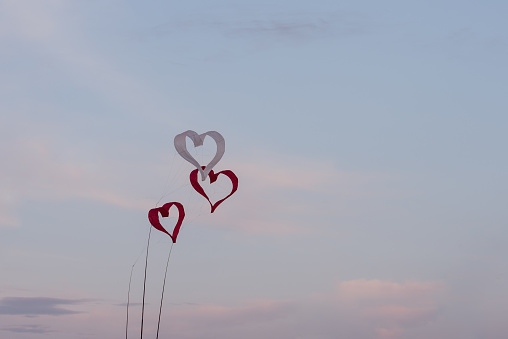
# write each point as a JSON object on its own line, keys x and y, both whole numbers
{"x": 163, "y": 287}
{"x": 171, "y": 179}
{"x": 129, "y": 290}
{"x": 144, "y": 283}
{"x": 128, "y": 301}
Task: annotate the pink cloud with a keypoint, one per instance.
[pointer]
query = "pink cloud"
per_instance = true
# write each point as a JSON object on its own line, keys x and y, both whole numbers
{"x": 407, "y": 316}
{"x": 300, "y": 174}
{"x": 47, "y": 26}
{"x": 7, "y": 216}
{"x": 31, "y": 20}
{"x": 389, "y": 333}
{"x": 363, "y": 289}
{"x": 33, "y": 170}
{"x": 322, "y": 316}
{"x": 216, "y": 315}
{"x": 275, "y": 196}
{"x": 392, "y": 307}
{"x": 285, "y": 196}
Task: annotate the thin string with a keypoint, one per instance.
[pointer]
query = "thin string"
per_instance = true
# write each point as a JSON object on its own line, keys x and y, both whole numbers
{"x": 129, "y": 291}
{"x": 144, "y": 283}
{"x": 172, "y": 178}
{"x": 128, "y": 302}
{"x": 163, "y": 287}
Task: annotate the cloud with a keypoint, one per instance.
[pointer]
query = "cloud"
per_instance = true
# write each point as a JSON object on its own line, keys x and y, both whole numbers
{"x": 32, "y": 19}
{"x": 278, "y": 29}
{"x": 300, "y": 174}
{"x": 391, "y": 310}
{"x": 290, "y": 196}
{"x": 469, "y": 41}
{"x": 389, "y": 332}
{"x": 39, "y": 329}
{"x": 298, "y": 26}
{"x": 264, "y": 28}
{"x": 402, "y": 315}
{"x": 276, "y": 195}
{"x": 217, "y": 316}
{"x": 273, "y": 196}
{"x": 8, "y": 218}
{"x": 36, "y": 306}
{"x": 47, "y": 29}
{"x": 363, "y": 289}
{"x": 35, "y": 169}
{"x": 392, "y": 307}
{"x": 387, "y": 311}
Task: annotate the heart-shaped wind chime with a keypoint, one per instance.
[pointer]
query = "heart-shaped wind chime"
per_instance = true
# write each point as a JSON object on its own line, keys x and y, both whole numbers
{"x": 205, "y": 171}
{"x": 164, "y": 211}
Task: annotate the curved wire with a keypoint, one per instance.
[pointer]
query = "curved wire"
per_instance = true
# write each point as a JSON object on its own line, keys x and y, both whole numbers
{"x": 163, "y": 287}
{"x": 128, "y": 302}
{"x": 144, "y": 283}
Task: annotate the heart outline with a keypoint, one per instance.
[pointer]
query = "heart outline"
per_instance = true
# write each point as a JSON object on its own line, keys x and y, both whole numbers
{"x": 198, "y": 139}
{"x": 153, "y": 217}
{"x": 213, "y": 177}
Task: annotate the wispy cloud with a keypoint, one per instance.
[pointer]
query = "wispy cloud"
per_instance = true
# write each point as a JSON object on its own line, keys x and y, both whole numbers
{"x": 470, "y": 42}
{"x": 392, "y": 307}
{"x": 389, "y": 333}
{"x": 402, "y": 315}
{"x": 363, "y": 289}
{"x": 218, "y": 316}
{"x": 36, "y": 306}
{"x": 276, "y": 196}
{"x": 33, "y": 170}
{"x": 295, "y": 30}
{"x": 46, "y": 28}
{"x": 288, "y": 196}
{"x": 299, "y": 26}
{"x": 39, "y": 329}
{"x": 254, "y": 27}
{"x": 388, "y": 310}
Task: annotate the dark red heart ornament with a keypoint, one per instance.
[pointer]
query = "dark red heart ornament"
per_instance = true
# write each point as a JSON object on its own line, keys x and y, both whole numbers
{"x": 213, "y": 177}
{"x": 153, "y": 217}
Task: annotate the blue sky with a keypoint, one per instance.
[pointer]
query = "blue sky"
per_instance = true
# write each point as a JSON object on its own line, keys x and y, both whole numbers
{"x": 368, "y": 138}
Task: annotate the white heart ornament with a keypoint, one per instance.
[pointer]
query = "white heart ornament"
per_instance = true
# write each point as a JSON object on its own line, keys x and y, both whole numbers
{"x": 197, "y": 139}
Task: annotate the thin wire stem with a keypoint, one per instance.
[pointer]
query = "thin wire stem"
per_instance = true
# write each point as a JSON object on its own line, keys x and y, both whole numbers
{"x": 144, "y": 283}
{"x": 128, "y": 302}
{"x": 163, "y": 287}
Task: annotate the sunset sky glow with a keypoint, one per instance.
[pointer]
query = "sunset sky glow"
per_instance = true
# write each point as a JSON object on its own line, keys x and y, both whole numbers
{"x": 369, "y": 139}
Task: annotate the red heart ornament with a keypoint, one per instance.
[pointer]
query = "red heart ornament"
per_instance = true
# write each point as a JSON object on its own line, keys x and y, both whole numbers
{"x": 213, "y": 177}
{"x": 153, "y": 217}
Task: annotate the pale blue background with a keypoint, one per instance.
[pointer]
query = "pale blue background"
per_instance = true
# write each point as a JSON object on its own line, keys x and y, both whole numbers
{"x": 369, "y": 138}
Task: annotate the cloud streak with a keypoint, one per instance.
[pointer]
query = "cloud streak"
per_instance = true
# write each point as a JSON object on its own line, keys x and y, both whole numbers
{"x": 288, "y": 196}
{"x": 276, "y": 196}
{"x": 33, "y": 170}
{"x": 275, "y": 27}
{"x": 37, "y": 329}
{"x": 386, "y": 310}
{"x": 36, "y": 306}
{"x": 46, "y": 28}
{"x": 363, "y": 289}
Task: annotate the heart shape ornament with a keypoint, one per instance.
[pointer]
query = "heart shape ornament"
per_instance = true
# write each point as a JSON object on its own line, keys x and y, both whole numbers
{"x": 213, "y": 177}
{"x": 153, "y": 217}
{"x": 197, "y": 139}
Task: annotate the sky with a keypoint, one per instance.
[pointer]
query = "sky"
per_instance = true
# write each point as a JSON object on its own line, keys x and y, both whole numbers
{"x": 368, "y": 138}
